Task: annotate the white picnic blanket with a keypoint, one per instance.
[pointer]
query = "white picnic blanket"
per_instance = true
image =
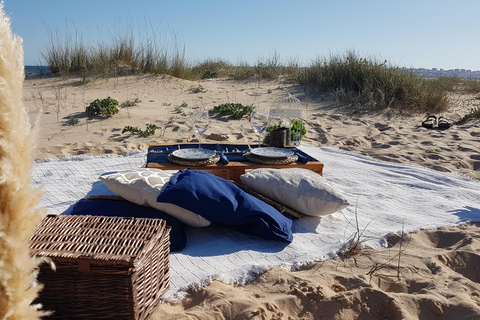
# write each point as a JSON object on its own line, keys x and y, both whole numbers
{"x": 387, "y": 198}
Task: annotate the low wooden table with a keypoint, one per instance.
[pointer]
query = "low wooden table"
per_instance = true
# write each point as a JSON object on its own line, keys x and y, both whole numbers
{"x": 157, "y": 157}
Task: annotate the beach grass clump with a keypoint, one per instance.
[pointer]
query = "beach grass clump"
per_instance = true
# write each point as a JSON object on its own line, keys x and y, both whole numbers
{"x": 369, "y": 84}
{"x": 473, "y": 114}
{"x": 272, "y": 67}
{"x": 197, "y": 89}
{"x": 125, "y": 53}
{"x": 211, "y": 68}
{"x": 131, "y": 103}
{"x": 470, "y": 85}
{"x": 242, "y": 71}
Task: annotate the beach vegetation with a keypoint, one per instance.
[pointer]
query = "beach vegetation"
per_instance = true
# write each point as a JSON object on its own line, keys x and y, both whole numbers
{"x": 233, "y": 110}
{"x": 72, "y": 121}
{"x": 471, "y": 85}
{"x": 473, "y": 114}
{"x": 179, "y": 109}
{"x": 209, "y": 74}
{"x": 370, "y": 84}
{"x": 198, "y": 89}
{"x": 130, "y": 103}
{"x": 104, "y": 108}
{"x": 363, "y": 84}
{"x": 211, "y": 68}
{"x": 149, "y": 130}
{"x": 126, "y": 53}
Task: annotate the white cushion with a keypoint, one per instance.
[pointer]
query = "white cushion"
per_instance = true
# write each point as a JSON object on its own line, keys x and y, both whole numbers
{"x": 300, "y": 189}
{"x": 142, "y": 186}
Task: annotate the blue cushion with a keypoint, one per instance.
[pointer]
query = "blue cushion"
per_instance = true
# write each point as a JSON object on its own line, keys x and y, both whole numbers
{"x": 221, "y": 201}
{"x": 114, "y": 208}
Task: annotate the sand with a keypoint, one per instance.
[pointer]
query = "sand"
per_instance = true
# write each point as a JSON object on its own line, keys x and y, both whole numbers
{"x": 437, "y": 275}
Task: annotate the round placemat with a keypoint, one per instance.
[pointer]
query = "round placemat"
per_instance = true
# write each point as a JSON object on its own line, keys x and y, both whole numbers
{"x": 194, "y": 163}
{"x": 265, "y": 160}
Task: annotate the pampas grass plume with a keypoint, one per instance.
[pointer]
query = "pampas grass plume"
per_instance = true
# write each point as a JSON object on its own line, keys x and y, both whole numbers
{"x": 19, "y": 212}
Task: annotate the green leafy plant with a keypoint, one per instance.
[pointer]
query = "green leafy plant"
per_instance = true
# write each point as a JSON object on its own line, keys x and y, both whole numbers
{"x": 197, "y": 89}
{"x": 234, "y": 110}
{"x": 149, "y": 131}
{"x": 71, "y": 121}
{"x": 209, "y": 74}
{"x": 104, "y": 108}
{"x": 131, "y": 103}
{"x": 297, "y": 128}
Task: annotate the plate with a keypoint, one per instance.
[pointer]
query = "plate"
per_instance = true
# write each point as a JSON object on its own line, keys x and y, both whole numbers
{"x": 269, "y": 152}
{"x": 193, "y": 154}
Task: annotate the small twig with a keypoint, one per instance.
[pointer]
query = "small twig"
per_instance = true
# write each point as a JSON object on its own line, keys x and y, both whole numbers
{"x": 379, "y": 266}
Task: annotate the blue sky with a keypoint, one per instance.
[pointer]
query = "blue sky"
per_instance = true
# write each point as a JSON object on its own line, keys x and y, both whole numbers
{"x": 411, "y": 33}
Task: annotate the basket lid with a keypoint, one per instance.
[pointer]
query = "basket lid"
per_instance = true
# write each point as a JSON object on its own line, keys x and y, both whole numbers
{"x": 101, "y": 240}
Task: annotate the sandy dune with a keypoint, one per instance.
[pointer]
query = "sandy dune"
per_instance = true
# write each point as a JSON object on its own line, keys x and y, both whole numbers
{"x": 437, "y": 275}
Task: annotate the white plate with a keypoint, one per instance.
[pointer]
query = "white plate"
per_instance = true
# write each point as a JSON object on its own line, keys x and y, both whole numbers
{"x": 194, "y": 154}
{"x": 270, "y": 152}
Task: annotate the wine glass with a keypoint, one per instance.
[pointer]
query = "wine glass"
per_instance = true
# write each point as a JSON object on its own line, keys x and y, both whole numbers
{"x": 201, "y": 122}
{"x": 259, "y": 122}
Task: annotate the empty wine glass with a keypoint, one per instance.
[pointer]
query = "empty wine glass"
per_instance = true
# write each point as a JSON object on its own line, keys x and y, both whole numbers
{"x": 259, "y": 122}
{"x": 201, "y": 122}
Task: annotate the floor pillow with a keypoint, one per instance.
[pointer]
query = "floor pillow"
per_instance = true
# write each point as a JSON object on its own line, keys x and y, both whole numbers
{"x": 142, "y": 186}
{"x": 300, "y": 189}
{"x": 221, "y": 201}
{"x": 115, "y": 208}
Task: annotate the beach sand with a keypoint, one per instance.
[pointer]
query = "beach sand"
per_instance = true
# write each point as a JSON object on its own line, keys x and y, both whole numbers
{"x": 437, "y": 275}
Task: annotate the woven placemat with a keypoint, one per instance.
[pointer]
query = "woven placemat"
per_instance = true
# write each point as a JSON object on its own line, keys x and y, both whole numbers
{"x": 193, "y": 163}
{"x": 264, "y": 160}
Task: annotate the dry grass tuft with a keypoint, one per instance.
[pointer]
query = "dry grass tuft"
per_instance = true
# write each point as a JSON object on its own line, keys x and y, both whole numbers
{"x": 19, "y": 214}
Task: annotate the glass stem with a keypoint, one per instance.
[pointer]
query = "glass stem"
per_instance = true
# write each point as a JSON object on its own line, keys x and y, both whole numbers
{"x": 199, "y": 141}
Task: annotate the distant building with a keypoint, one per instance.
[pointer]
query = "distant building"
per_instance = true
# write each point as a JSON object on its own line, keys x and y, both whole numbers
{"x": 435, "y": 73}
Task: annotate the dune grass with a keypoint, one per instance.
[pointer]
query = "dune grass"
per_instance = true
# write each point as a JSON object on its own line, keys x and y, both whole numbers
{"x": 125, "y": 53}
{"x": 369, "y": 84}
{"x": 363, "y": 84}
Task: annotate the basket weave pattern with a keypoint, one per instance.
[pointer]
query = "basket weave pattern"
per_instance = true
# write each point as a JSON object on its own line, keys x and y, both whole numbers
{"x": 193, "y": 163}
{"x": 264, "y": 160}
{"x": 106, "y": 267}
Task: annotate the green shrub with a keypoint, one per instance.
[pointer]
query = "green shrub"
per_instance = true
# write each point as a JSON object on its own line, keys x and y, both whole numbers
{"x": 71, "y": 121}
{"x": 149, "y": 131}
{"x": 131, "y": 103}
{"x": 234, "y": 110}
{"x": 104, "y": 108}
{"x": 209, "y": 74}
{"x": 198, "y": 89}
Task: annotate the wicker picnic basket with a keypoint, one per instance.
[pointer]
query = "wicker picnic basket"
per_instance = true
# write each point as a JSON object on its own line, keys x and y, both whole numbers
{"x": 105, "y": 267}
